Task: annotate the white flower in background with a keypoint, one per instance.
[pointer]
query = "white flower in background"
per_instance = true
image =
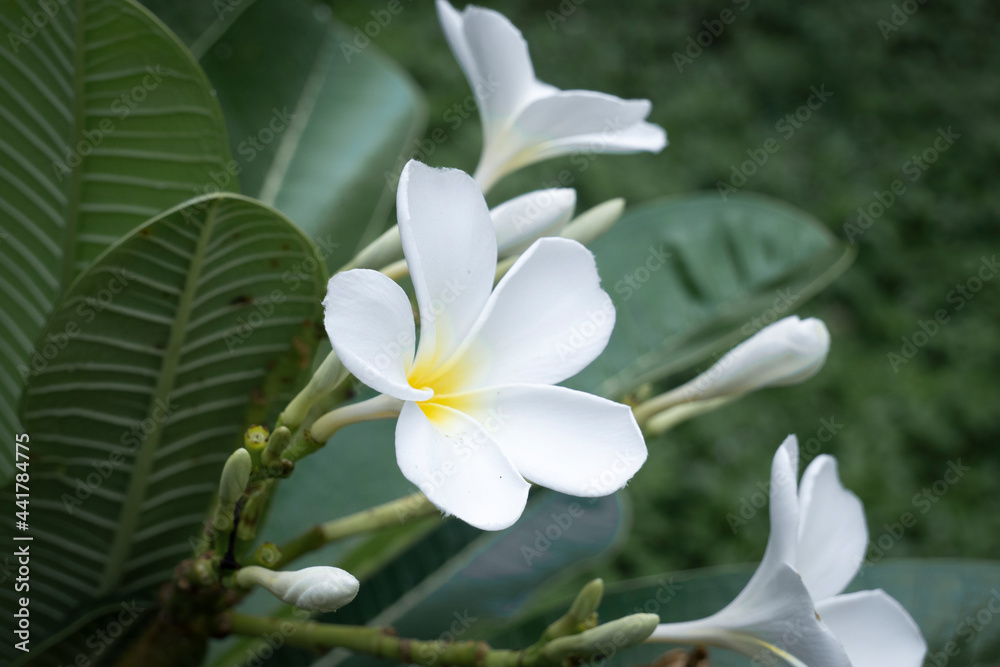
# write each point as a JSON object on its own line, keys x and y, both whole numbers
{"x": 525, "y": 120}
{"x": 321, "y": 589}
{"x": 523, "y": 220}
{"x": 478, "y": 412}
{"x": 786, "y": 352}
{"x": 793, "y": 606}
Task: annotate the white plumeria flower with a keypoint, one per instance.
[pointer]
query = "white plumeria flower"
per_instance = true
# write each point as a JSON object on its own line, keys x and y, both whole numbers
{"x": 322, "y": 589}
{"x": 478, "y": 412}
{"x": 525, "y": 120}
{"x": 793, "y": 607}
{"x": 785, "y": 352}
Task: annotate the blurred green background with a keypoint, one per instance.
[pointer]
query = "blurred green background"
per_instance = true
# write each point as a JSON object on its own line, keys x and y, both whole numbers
{"x": 892, "y": 90}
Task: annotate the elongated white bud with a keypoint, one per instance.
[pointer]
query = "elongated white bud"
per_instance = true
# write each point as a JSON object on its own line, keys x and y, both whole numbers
{"x": 319, "y": 588}
{"x": 593, "y": 222}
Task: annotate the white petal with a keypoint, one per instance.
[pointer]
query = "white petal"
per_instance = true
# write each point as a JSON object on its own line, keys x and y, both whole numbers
{"x": 566, "y": 440}
{"x": 370, "y": 324}
{"x": 875, "y": 630}
{"x": 777, "y": 619}
{"x": 458, "y": 466}
{"x": 504, "y": 81}
{"x": 833, "y": 533}
{"x": 572, "y": 113}
{"x": 784, "y": 512}
{"x": 546, "y": 320}
{"x": 522, "y": 220}
{"x": 783, "y": 353}
{"x": 451, "y": 250}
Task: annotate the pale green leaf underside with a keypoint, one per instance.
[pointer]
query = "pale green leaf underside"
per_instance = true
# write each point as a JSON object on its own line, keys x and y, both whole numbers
{"x": 689, "y": 275}
{"x": 107, "y": 122}
{"x": 331, "y": 167}
{"x": 152, "y": 392}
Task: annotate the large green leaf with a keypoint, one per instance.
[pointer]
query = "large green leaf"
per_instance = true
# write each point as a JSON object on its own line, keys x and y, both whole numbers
{"x": 316, "y": 134}
{"x": 951, "y": 600}
{"x": 689, "y": 275}
{"x": 198, "y": 24}
{"x": 161, "y": 352}
{"x": 107, "y": 121}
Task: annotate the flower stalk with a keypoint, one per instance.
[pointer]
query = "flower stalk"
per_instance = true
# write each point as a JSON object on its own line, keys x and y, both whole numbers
{"x": 396, "y": 512}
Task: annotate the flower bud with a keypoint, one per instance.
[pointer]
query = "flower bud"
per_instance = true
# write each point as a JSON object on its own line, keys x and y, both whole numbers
{"x": 786, "y": 352}
{"x": 326, "y": 378}
{"x": 319, "y": 588}
{"x": 255, "y": 438}
{"x": 595, "y": 221}
{"x": 522, "y": 220}
{"x": 235, "y": 475}
{"x": 617, "y": 635}
{"x": 276, "y": 445}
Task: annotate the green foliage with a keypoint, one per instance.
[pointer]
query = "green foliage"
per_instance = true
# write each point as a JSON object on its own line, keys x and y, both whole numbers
{"x": 689, "y": 275}
{"x": 110, "y": 122}
{"x": 166, "y": 342}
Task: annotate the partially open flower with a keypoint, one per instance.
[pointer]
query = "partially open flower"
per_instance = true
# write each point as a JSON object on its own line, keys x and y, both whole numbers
{"x": 525, "y": 120}
{"x": 793, "y": 607}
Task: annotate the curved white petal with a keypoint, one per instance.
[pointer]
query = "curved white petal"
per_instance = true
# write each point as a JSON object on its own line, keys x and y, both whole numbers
{"x": 370, "y": 324}
{"x": 833, "y": 533}
{"x": 570, "y": 113}
{"x": 641, "y": 137}
{"x": 562, "y": 439}
{"x": 522, "y": 220}
{"x": 498, "y": 66}
{"x": 547, "y": 319}
{"x": 784, "y": 512}
{"x": 875, "y": 630}
{"x": 777, "y": 619}
{"x": 458, "y": 466}
{"x": 451, "y": 250}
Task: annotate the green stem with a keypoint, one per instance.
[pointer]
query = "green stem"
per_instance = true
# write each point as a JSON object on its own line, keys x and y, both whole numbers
{"x": 309, "y": 440}
{"x": 403, "y": 510}
{"x": 381, "y": 643}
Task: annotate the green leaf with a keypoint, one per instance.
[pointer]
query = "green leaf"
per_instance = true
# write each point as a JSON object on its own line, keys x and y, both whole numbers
{"x": 198, "y": 24}
{"x": 163, "y": 350}
{"x": 316, "y": 133}
{"x": 690, "y": 275}
{"x": 108, "y": 121}
{"x": 941, "y": 595}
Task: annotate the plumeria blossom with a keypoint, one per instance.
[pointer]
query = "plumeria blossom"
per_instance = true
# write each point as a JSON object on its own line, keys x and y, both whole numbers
{"x": 792, "y": 607}
{"x": 478, "y": 412}
{"x": 526, "y": 120}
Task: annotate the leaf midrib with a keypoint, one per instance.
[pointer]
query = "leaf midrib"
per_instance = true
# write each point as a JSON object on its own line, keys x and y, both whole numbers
{"x": 131, "y": 506}
{"x": 79, "y": 121}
